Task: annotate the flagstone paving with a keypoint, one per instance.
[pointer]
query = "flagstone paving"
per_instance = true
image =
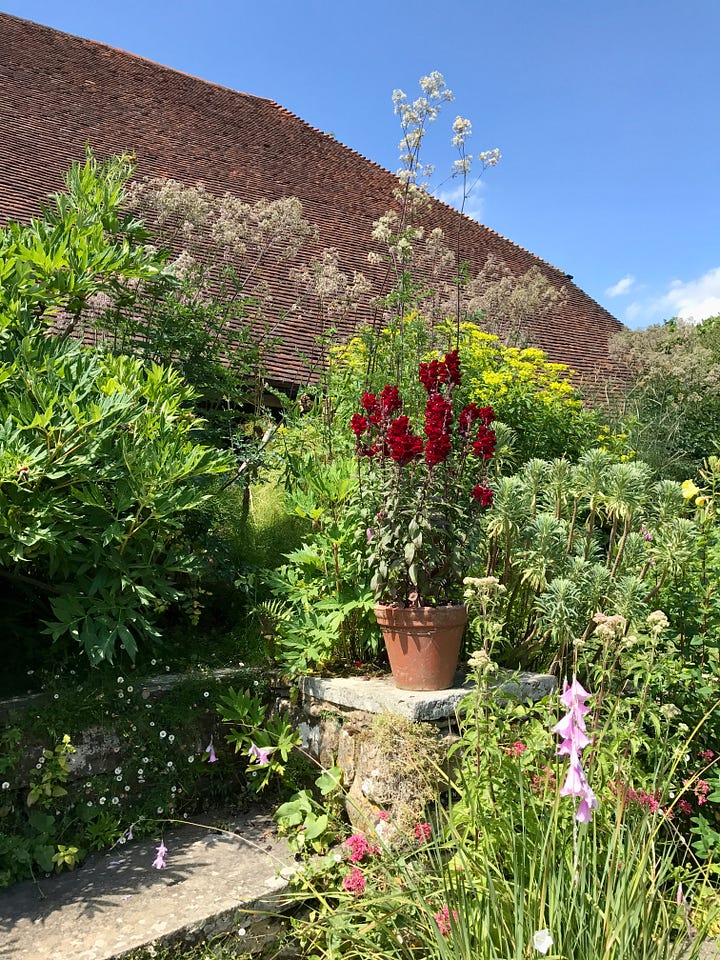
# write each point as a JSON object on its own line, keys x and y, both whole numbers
{"x": 117, "y": 902}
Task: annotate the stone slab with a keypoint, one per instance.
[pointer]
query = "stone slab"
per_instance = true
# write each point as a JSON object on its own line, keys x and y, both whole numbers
{"x": 380, "y": 695}
{"x": 117, "y": 902}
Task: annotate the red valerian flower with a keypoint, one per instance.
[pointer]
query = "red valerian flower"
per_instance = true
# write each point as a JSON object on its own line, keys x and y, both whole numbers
{"x": 354, "y": 882}
{"x": 360, "y": 847}
{"x": 483, "y": 495}
{"x": 484, "y": 444}
{"x": 404, "y": 446}
{"x": 442, "y": 918}
{"x": 422, "y": 832}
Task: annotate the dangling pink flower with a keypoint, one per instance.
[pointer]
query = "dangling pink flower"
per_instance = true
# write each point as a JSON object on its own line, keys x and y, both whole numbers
{"x": 211, "y": 750}
{"x": 159, "y": 861}
{"x": 573, "y": 731}
{"x": 261, "y": 754}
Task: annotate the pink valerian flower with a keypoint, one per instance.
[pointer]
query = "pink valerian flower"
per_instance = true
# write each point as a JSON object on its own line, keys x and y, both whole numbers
{"x": 423, "y": 832}
{"x": 516, "y": 750}
{"x": 260, "y": 754}
{"x": 701, "y": 790}
{"x": 573, "y": 731}
{"x": 354, "y": 882}
{"x": 685, "y": 807}
{"x": 543, "y": 781}
{"x": 707, "y": 755}
{"x": 210, "y": 749}
{"x": 643, "y": 798}
{"x": 159, "y": 861}
{"x": 359, "y": 847}
{"x": 442, "y": 919}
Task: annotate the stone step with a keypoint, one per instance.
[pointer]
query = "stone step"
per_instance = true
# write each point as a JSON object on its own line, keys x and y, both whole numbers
{"x": 116, "y": 902}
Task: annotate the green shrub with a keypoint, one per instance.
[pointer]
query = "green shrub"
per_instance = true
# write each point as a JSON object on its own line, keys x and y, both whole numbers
{"x": 98, "y": 466}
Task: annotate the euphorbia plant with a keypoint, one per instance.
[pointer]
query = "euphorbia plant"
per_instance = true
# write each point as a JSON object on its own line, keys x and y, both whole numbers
{"x": 424, "y": 489}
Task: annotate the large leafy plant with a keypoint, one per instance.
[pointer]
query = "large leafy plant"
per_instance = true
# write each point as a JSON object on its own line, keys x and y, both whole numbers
{"x": 568, "y": 540}
{"x": 98, "y": 466}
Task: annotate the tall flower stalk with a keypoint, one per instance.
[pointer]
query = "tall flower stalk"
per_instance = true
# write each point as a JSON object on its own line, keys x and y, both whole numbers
{"x": 573, "y": 731}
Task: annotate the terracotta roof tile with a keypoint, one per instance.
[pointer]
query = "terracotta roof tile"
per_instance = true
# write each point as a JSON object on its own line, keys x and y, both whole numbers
{"x": 59, "y": 93}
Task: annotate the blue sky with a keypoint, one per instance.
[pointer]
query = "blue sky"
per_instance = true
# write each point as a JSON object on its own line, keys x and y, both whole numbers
{"x": 607, "y": 115}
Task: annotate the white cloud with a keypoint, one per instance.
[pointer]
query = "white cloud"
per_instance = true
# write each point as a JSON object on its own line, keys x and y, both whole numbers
{"x": 621, "y": 287}
{"x": 453, "y": 196}
{"x": 690, "y": 300}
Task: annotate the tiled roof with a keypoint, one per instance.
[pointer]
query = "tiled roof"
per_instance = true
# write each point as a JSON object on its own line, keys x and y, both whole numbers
{"x": 59, "y": 93}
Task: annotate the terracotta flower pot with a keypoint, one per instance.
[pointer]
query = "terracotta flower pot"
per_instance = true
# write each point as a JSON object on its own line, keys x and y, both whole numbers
{"x": 423, "y": 644}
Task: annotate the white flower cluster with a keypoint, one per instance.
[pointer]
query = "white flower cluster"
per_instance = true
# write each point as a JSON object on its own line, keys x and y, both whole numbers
{"x": 490, "y": 158}
{"x": 609, "y": 628}
{"x": 415, "y": 116}
{"x": 336, "y": 292}
{"x": 461, "y": 166}
{"x": 462, "y": 129}
{"x": 657, "y": 622}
